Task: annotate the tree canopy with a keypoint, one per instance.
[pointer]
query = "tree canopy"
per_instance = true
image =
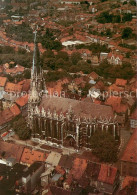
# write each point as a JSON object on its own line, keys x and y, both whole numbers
{"x": 127, "y": 33}
{"x": 49, "y": 42}
{"x": 104, "y": 146}
{"x": 21, "y": 129}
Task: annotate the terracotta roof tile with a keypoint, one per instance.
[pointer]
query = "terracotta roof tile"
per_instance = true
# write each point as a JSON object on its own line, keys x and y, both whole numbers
{"x": 134, "y": 114}
{"x": 22, "y": 101}
{"x": 3, "y": 81}
{"x": 121, "y": 82}
{"x": 11, "y": 150}
{"x": 130, "y": 153}
{"x": 107, "y": 174}
{"x": 127, "y": 181}
{"x": 29, "y": 156}
{"x": 15, "y": 110}
{"x": 11, "y": 87}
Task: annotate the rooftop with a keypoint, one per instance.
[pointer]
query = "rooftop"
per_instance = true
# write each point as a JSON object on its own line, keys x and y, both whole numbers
{"x": 130, "y": 153}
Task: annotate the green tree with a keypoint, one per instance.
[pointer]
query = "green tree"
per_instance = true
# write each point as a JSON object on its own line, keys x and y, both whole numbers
{"x": 60, "y": 63}
{"x": 27, "y": 74}
{"x": 127, "y": 17}
{"x": 75, "y": 57}
{"x": 63, "y": 55}
{"x": 48, "y": 41}
{"x": 127, "y": 33}
{"x": 21, "y": 129}
{"x": 56, "y": 75}
{"x": 132, "y": 2}
{"x": 104, "y": 146}
{"x": 48, "y": 54}
{"x": 49, "y": 63}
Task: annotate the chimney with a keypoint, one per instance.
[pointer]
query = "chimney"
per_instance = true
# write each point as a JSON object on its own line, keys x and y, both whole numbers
{"x": 109, "y": 171}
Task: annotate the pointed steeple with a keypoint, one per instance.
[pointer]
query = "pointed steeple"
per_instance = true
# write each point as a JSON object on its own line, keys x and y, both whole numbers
{"x": 36, "y": 68}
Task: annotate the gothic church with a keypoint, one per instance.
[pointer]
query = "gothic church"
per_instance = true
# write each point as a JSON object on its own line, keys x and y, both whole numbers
{"x": 66, "y": 122}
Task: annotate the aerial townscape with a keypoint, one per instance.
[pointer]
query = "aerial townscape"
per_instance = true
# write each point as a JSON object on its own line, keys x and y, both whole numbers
{"x": 68, "y": 115}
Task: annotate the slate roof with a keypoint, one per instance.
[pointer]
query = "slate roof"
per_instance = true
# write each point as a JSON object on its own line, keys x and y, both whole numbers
{"x": 66, "y": 161}
{"x": 80, "y": 108}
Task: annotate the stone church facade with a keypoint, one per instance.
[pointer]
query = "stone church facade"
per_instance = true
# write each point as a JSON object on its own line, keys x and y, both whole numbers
{"x": 66, "y": 122}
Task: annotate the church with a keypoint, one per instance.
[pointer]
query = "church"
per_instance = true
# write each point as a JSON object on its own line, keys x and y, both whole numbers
{"x": 66, "y": 122}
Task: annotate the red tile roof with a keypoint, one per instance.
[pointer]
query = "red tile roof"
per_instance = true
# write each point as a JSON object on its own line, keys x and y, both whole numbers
{"x": 93, "y": 75}
{"x": 3, "y": 81}
{"x": 107, "y": 174}
{"x": 121, "y": 82}
{"x": 127, "y": 181}
{"x": 78, "y": 169}
{"x": 29, "y": 156}
{"x": 134, "y": 115}
{"x": 130, "y": 153}
{"x": 6, "y": 116}
{"x": 11, "y": 87}
{"x": 116, "y": 104}
{"x": 22, "y": 101}
{"x": 15, "y": 110}
{"x": 11, "y": 150}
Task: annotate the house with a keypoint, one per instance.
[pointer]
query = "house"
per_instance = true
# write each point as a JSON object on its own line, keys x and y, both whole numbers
{"x": 93, "y": 76}
{"x": 128, "y": 161}
{"x": 92, "y": 173}
{"x": 108, "y": 179}
{"x": 10, "y": 150}
{"x": 22, "y": 102}
{"x": 53, "y": 159}
{"x": 78, "y": 169}
{"x": 121, "y": 82}
{"x": 30, "y": 156}
{"x": 8, "y": 115}
{"x": 13, "y": 88}
{"x": 128, "y": 184}
{"x": 14, "y": 71}
{"x": 95, "y": 60}
{"x": 115, "y": 59}
{"x": 118, "y": 107}
{"x": 3, "y": 81}
{"x": 46, "y": 175}
{"x": 31, "y": 177}
{"x": 8, "y": 178}
{"x": 133, "y": 119}
{"x": 66, "y": 162}
{"x": 103, "y": 56}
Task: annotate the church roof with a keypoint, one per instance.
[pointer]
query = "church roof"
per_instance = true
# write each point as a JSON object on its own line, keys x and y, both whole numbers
{"x": 80, "y": 108}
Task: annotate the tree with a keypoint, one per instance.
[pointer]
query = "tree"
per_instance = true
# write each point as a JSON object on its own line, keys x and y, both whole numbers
{"x": 132, "y": 2}
{"x": 104, "y": 146}
{"x": 48, "y": 41}
{"x": 54, "y": 76}
{"x": 27, "y": 74}
{"x": 75, "y": 57}
{"x": 21, "y": 129}
{"x": 49, "y": 63}
{"x": 127, "y": 33}
{"x": 125, "y": 2}
{"x": 127, "y": 17}
{"x": 63, "y": 55}
{"x": 48, "y": 54}
{"x": 60, "y": 63}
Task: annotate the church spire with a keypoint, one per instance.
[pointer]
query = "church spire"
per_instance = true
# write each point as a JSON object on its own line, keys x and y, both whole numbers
{"x": 36, "y": 67}
{"x": 34, "y": 52}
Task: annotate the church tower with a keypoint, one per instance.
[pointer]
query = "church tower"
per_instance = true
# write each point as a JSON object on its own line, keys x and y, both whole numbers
{"x": 37, "y": 86}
